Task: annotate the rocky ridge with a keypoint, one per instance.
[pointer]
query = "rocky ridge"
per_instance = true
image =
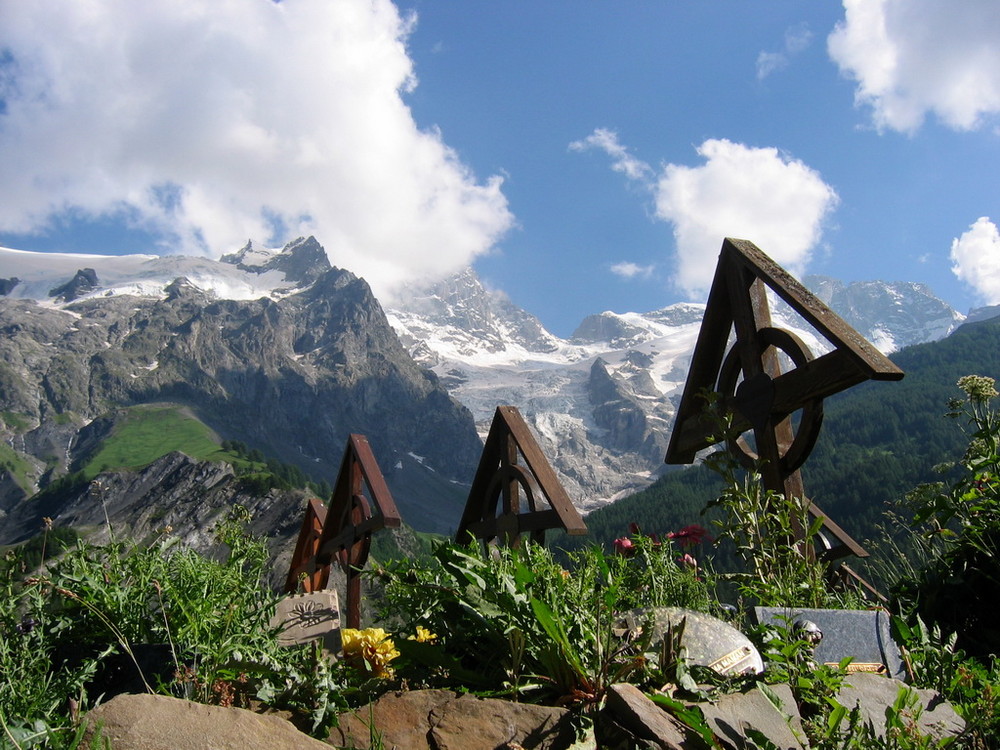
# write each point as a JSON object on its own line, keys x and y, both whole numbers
{"x": 291, "y": 373}
{"x": 602, "y": 403}
{"x": 278, "y": 349}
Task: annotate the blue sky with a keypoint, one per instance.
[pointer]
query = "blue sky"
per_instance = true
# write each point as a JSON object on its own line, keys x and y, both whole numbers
{"x": 584, "y": 156}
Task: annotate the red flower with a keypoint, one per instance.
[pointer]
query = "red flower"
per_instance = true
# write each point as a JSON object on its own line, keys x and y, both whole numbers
{"x": 689, "y": 536}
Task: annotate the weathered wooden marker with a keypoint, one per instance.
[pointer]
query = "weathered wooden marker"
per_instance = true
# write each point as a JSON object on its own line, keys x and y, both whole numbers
{"x": 501, "y": 478}
{"x": 345, "y": 530}
{"x": 752, "y": 386}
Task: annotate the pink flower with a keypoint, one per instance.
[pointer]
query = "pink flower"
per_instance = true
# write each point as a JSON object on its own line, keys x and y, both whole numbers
{"x": 690, "y": 536}
{"x": 624, "y": 546}
{"x": 686, "y": 561}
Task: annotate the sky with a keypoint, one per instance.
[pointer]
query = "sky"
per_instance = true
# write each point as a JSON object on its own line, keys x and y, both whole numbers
{"x": 582, "y": 156}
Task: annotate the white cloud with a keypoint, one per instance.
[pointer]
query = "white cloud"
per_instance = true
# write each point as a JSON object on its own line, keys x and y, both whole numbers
{"x": 975, "y": 260}
{"x": 797, "y": 38}
{"x": 757, "y": 194}
{"x": 629, "y": 270}
{"x": 915, "y": 57}
{"x": 622, "y": 161}
{"x": 213, "y": 122}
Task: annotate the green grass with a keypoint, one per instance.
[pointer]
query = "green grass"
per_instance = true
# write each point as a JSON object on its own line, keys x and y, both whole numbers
{"x": 149, "y": 432}
{"x": 19, "y": 423}
{"x": 19, "y": 469}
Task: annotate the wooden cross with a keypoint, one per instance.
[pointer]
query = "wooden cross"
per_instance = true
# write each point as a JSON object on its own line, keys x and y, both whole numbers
{"x": 766, "y": 398}
{"x": 345, "y": 531}
{"x": 501, "y": 478}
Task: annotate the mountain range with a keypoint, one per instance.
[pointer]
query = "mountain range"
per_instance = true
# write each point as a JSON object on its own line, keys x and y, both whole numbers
{"x": 277, "y": 349}
{"x": 602, "y": 403}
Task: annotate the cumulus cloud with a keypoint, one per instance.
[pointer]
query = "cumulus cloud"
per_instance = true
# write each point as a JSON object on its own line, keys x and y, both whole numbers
{"x": 209, "y": 123}
{"x": 797, "y": 38}
{"x": 975, "y": 260}
{"x": 629, "y": 270}
{"x": 759, "y": 194}
{"x": 915, "y": 57}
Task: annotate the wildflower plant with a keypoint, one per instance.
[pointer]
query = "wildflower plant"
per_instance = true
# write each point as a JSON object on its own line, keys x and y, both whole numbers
{"x": 67, "y": 626}
{"x": 370, "y": 650}
{"x": 959, "y": 528}
{"x": 515, "y": 622}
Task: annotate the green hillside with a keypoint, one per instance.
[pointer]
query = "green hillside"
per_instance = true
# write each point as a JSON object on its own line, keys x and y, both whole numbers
{"x": 146, "y": 433}
{"x": 878, "y": 441}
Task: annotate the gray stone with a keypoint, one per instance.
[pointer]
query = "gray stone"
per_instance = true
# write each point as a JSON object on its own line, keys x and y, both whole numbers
{"x": 861, "y": 634}
{"x": 709, "y": 641}
{"x": 732, "y": 715}
{"x": 159, "y": 722}
{"x": 644, "y": 719}
{"x": 872, "y": 694}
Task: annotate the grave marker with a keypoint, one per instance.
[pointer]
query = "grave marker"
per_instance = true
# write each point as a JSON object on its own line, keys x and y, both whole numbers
{"x": 753, "y": 387}
{"x": 511, "y": 464}
{"x": 360, "y": 505}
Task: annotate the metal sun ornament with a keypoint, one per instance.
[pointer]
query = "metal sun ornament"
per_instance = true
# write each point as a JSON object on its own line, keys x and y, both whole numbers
{"x": 752, "y": 386}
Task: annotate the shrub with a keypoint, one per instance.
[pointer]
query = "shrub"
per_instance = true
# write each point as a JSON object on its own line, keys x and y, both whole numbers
{"x": 161, "y": 617}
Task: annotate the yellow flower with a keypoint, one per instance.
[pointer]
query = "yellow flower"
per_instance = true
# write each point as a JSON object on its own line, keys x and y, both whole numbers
{"x": 423, "y": 635}
{"x": 370, "y": 649}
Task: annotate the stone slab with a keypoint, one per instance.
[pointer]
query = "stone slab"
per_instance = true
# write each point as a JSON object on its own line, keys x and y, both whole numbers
{"x": 863, "y": 635}
{"x": 400, "y": 720}
{"x": 304, "y": 618}
{"x": 471, "y": 723}
{"x": 731, "y": 715}
{"x": 872, "y": 694}
{"x": 709, "y": 641}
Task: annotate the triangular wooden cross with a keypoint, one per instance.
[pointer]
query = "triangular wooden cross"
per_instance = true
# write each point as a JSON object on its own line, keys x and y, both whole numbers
{"x": 345, "y": 530}
{"x": 766, "y": 398}
{"x": 500, "y": 476}
{"x": 304, "y": 573}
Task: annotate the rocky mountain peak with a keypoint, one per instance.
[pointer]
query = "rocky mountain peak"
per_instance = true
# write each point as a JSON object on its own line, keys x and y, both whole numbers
{"x": 889, "y": 314}
{"x": 466, "y": 316}
{"x": 302, "y": 260}
{"x": 83, "y": 282}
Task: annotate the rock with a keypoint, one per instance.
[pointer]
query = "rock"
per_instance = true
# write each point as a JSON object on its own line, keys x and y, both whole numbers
{"x": 441, "y": 720}
{"x": 471, "y": 723}
{"x": 402, "y": 720}
{"x": 873, "y": 694}
{"x": 159, "y": 722}
{"x": 709, "y": 641}
{"x": 645, "y": 719}
{"x": 732, "y": 715}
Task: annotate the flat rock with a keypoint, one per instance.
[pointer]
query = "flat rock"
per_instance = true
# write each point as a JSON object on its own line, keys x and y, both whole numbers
{"x": 644, "y": 719}
{"x": 874, "y": 693}
{"x": 159, "y": 722}
{"x": 443, "y": 720}
{"x": 471, "y": 723}
{"x": 402, "y": 720}
{"x": 731, "y": 715}
{"x": 864, "y": 635}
